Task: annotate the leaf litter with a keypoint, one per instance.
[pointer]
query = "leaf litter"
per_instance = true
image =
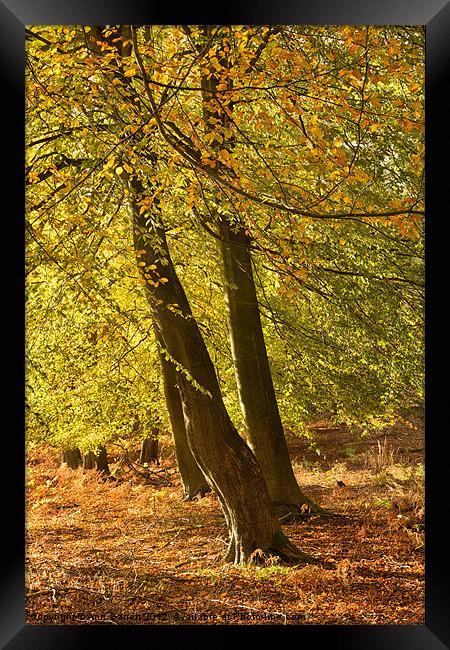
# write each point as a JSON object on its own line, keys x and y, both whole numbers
{"x": 131, "y": 551}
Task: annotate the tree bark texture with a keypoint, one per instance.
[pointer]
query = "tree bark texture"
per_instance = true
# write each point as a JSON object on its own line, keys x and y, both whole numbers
{"x": 192, "y": 477}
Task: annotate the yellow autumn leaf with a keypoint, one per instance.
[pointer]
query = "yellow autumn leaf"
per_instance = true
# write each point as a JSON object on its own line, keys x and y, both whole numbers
{"x": 33, "y": 177}
{"x": 301, "y": 274}
{"x": 131, "y": 72}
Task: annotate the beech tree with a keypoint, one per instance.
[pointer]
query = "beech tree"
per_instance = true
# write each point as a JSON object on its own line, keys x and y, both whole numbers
{"x": 224, "y": 458}
{"x": 253, "y": 376}
{"x": 298, "y": 151}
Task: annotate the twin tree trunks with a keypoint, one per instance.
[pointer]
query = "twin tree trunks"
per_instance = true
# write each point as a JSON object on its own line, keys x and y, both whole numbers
{"x": 226, "y": 461}
{"x": 253, "y": 487}
{"x": 97, "y": 461}
{"x": 73, "y": 459}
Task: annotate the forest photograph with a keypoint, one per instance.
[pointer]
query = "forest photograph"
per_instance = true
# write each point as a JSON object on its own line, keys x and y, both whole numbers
{"x": 224, "y": 391}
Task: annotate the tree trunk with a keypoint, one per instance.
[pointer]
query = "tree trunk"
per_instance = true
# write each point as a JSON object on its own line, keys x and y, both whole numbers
{"x": 149, "y": 449}
{"x": 71, "y": 457}
{"x": 89, "y": 460}
{"x": 224, "y": 458}
{"x": 253, "y": 376}
{"x": 254, "y": 380}
{"x": 101, "y": 461}
{"x": 192, "y": 478}
{"x": 97, "y": 461}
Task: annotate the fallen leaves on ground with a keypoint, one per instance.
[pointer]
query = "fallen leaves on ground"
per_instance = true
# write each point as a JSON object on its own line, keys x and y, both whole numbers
{"x": 132, "y": 552}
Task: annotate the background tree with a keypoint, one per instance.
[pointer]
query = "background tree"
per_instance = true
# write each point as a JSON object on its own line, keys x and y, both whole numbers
{"x": 331, "y": 107}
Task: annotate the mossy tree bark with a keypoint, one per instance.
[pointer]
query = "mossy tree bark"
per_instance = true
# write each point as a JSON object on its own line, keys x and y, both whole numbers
{"x": 225, "y": 459}
{"x": 253, "y": 375}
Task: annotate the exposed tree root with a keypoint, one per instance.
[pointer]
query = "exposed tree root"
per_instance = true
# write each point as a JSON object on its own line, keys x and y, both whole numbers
{"x": 287, "y": 553}
{"x": 290, "y": 552}
{"x": 239, "y": 553}
{"x": 289, "y": 512}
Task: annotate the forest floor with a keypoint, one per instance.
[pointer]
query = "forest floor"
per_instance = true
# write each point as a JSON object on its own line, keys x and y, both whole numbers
{"x": 131, "y": 551}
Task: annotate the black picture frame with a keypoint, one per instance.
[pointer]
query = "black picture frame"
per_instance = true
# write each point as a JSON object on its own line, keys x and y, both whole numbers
{"x": 435, "y": 15}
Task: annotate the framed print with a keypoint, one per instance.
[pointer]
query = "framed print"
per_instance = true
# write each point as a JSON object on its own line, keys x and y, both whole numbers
{"x": 233, "y": 323}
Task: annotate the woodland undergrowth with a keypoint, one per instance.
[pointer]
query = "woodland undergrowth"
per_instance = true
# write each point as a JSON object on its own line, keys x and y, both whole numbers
{"x": 131, "y": 551}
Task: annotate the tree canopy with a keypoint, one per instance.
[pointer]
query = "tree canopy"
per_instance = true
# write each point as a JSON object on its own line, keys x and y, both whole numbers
{"x": 310, "y": 137}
